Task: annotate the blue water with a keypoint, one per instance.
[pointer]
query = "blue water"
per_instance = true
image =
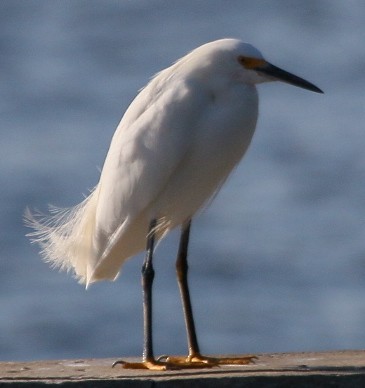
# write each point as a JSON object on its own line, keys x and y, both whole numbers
{"x": 278, "y": 259}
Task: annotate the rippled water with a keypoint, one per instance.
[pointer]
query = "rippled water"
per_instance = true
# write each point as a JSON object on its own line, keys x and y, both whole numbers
{"x": 277, "y": 261}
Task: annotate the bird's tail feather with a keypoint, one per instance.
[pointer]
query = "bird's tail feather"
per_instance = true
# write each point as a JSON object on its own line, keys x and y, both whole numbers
{"x": 65, "y": 235}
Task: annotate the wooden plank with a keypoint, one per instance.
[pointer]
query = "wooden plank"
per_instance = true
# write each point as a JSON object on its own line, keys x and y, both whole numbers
{"x": 337, "y": 369}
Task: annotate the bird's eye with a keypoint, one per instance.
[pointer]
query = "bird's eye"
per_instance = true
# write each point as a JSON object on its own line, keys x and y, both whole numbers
{"x": 251, "y": 63}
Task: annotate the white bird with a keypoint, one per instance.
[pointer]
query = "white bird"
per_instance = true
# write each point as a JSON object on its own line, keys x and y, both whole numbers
{"x": 174, "y": 148}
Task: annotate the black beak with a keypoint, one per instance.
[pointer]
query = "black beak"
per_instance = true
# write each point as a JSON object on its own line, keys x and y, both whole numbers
{"x": 282, "y": 75}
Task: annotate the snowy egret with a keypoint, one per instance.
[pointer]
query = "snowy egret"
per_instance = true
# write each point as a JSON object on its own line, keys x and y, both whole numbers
{"x": 175, "y": 146}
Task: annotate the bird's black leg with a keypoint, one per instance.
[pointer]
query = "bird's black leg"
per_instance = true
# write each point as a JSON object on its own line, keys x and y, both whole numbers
{"x": 194, "y": 359}
{"x": 148, "y": 274}
{"x": 182, "y": 278}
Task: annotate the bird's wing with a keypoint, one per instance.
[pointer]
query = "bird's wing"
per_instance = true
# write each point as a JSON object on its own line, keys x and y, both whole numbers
{"x": 147, "y": 147}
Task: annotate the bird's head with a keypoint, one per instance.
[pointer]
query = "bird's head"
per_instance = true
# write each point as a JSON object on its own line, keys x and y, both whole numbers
{"x": 244, "y": 62}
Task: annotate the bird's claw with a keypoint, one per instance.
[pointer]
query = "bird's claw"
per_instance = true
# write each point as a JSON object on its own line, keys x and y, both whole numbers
{"x": 150, "y": 365}
{"x": 197, "y": 361}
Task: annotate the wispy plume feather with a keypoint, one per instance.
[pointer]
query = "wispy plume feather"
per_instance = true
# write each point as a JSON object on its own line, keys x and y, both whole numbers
{"x": 65, "y": 235}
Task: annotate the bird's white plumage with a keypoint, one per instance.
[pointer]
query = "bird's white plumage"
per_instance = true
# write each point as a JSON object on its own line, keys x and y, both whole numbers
{"x": 176, "y": 144}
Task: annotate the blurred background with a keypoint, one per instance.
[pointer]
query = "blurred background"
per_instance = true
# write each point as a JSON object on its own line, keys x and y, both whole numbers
{"x": 277, "y": 260}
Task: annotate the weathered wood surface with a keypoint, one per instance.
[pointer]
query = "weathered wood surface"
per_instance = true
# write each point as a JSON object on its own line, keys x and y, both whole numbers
{"x": 335, "y": 369}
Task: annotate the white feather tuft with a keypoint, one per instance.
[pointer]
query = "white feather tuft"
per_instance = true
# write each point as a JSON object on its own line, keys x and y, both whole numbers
{"x": 65, "y": 235}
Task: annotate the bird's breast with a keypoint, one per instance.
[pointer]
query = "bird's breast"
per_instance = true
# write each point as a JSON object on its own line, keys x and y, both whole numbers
{"x": 226, "y": 130}
{"x": 218, "y": 142}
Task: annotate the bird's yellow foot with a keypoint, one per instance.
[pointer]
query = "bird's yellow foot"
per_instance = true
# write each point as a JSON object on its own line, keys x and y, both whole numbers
{"x": 190, "y": 362}
{"x": 199, "y": 361}
{"x": 150, "y": 365}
